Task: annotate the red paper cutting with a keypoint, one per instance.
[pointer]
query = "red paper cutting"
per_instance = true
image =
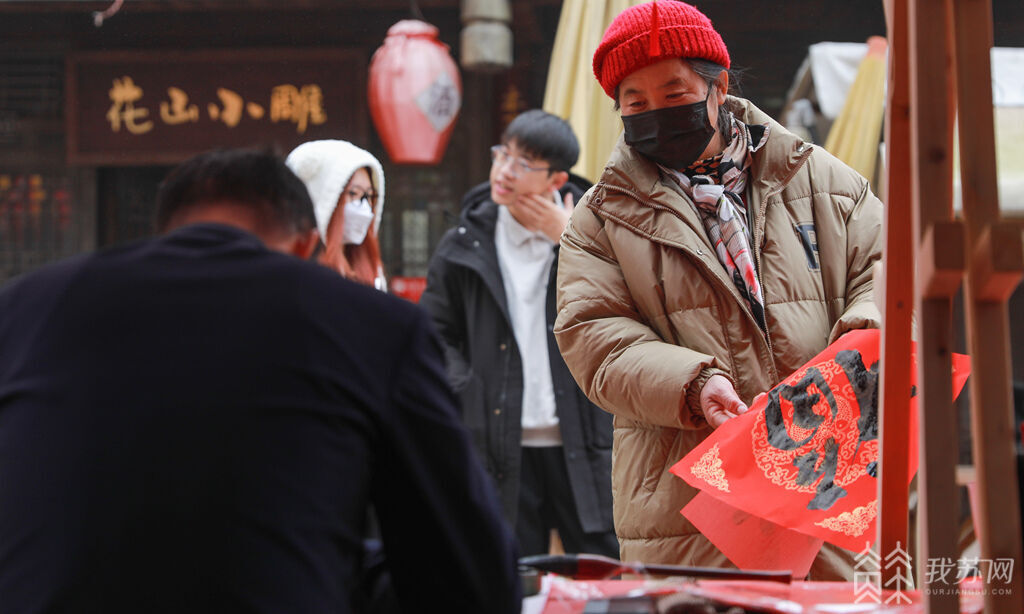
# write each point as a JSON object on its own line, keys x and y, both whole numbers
{"x": 749, "y": 541}
{"x": 805, "y": 456}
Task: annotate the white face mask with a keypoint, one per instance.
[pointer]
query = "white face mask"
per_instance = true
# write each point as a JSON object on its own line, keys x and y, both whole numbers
{"x": 358, "y": 217}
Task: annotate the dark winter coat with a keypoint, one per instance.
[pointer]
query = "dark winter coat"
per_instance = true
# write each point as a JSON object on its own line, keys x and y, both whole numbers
{"x": 196, "y": 423}
{"x": 466, "y": 297}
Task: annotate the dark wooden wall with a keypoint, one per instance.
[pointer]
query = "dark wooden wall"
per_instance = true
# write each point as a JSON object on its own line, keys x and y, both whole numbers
{"x": 769, "y": 39}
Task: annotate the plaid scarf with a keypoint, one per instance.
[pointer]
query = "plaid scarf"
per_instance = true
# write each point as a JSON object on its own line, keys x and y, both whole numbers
{"x": 716, "y": 187}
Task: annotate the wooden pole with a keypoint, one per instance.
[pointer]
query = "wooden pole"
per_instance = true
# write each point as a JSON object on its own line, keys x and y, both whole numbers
{"x": 898, "y": 293}
{"x": 940, "y": 266}
{"x": 995, "y": 260}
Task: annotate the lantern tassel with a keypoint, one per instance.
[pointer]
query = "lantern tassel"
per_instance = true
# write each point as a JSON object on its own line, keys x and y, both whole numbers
{"x": 655, "y": 36}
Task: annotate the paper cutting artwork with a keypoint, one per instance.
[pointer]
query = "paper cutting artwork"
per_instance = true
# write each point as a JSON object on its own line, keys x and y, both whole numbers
{"x": 853, "y": 523}
{"x": 805, "y": 457}
{"x": 812, "y": 440}
{"x": 709, "y": 469}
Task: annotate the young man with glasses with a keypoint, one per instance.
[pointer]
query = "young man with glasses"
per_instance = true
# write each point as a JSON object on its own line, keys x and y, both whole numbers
{"x": 491, "y": 292}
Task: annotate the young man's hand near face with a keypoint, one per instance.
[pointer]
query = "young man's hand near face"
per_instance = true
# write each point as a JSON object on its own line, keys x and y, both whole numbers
{"x": 543, "y": 213}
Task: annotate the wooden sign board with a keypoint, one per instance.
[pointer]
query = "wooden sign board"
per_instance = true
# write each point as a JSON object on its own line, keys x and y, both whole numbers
{"x": 134, "y": 108}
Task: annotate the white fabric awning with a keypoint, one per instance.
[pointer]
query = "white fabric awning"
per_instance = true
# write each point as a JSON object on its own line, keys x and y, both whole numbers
{"x": 830, "y": 69}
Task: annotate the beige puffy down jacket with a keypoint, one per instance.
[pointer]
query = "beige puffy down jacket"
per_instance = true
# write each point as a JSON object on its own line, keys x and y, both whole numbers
{"x": 647, "y": 314}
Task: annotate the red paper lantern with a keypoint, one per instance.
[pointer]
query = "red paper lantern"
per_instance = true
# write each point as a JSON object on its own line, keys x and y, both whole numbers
{"x": 415, "y": 93}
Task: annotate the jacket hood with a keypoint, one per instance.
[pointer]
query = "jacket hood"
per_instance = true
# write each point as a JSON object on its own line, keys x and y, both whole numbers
{"x": 326, "y": 168}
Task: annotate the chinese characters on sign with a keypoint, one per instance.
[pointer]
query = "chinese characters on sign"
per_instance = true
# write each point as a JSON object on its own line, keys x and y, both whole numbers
{"x": 124, "y": 95}
{"x": 161, "y": 107}
{"x": 288, "y": 103}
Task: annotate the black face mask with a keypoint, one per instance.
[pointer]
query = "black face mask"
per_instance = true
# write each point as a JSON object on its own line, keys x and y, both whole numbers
{"x": 672, "y": 136}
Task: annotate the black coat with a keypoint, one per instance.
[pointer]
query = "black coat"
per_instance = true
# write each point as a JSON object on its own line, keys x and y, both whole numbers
{"x": 195, "y": 423}
{"x": 466, "y": 298}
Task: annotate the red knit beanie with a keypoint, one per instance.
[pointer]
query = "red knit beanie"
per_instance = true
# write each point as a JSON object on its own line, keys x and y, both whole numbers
{"x": 647, "y": 33}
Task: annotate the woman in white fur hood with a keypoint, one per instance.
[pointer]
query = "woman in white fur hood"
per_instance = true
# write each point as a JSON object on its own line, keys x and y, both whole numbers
{"x": 346, "y": 184}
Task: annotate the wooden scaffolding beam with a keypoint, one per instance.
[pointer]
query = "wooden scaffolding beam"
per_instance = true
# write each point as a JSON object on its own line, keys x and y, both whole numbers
{"x": 995, "y": 260}
{"x": 940, "y": 263}
{"x": 897, "y": 299}
{"x": 929, "y": 40}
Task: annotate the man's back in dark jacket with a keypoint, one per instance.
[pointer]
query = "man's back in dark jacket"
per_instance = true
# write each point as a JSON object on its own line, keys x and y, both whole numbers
{"x": 197, "y": 424}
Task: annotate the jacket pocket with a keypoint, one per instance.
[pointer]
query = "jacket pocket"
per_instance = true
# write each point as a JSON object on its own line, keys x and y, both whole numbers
{"x": 659, "y": 442}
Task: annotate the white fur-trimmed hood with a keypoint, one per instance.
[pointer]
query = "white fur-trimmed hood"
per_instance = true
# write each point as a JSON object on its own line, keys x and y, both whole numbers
{"x": 326, "y": 167}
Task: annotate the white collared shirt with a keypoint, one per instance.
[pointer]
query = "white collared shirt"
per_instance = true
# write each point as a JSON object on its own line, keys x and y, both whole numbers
{"x": 525, "y": 258}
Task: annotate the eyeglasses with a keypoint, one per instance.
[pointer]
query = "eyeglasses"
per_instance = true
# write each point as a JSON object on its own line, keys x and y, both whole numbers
{"x": 500, "y": 155}
{"x": 358, "y": 195}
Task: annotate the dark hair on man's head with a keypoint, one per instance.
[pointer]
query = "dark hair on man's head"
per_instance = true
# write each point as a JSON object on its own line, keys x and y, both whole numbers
{"x": 544, "y": 136}
{"x": 249, "y": 178}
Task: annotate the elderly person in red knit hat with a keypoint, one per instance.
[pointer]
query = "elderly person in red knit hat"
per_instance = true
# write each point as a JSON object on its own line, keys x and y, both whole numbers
{"x": 716, "y": 255}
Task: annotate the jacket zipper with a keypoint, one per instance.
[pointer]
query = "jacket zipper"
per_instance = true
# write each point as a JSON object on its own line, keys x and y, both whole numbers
{"x": 470, "y": 242}
{"x": 756, "y": 240}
